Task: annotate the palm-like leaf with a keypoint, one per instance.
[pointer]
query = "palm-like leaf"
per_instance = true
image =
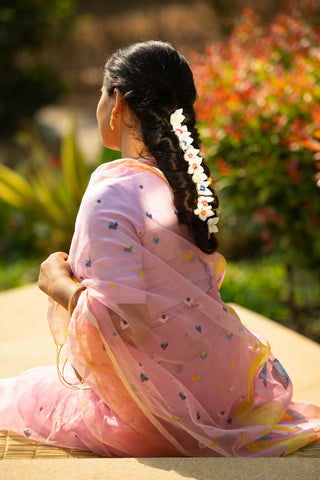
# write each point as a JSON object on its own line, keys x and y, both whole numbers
{"x": 51, "y": 196}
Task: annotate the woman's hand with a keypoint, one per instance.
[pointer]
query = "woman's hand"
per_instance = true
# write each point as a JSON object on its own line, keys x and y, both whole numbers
{"x": 56, "y": 278}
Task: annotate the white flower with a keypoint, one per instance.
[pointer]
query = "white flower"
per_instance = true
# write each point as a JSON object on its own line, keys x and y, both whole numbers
{"x": 182, "y": 134}
{"x": 184, "y": 137}
{"x": 202, "y": 188}
{"x": 195, "y": 166}
{"x": 181, "y": 130}
{"x": 212, "y": 224}
{"x": 204, "y": 201}
{"x": 191, "y": 153}
{"x": 176, "y": 118}
{"x": 199, "y": 177}
{"x": 185, "y": 140}
{"x": 204, "y": 212}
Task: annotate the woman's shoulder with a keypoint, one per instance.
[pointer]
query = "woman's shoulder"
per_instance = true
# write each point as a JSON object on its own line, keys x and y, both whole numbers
{"x": 126, "y": 184}
{"x": 126, "y": 169}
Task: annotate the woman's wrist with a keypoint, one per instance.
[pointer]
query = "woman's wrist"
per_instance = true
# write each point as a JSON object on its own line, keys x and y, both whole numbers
{"x": 56, "y": 278}
{"x": 63, "y": 290}
{"x": 73, "y": 299}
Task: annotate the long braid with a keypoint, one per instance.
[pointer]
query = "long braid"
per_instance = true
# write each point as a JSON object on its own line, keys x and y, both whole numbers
{"x": 155, "y": 80}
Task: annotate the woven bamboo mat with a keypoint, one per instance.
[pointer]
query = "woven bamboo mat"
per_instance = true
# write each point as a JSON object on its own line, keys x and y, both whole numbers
{"x": 14, "y": 446}
{"x": 310, "y": 451}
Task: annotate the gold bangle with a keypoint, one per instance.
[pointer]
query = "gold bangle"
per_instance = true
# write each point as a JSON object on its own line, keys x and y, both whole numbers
{"x": 73, "y": 298}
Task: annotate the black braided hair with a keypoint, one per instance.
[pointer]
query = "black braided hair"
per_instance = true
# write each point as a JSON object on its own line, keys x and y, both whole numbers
{"x": 155, "y": 80}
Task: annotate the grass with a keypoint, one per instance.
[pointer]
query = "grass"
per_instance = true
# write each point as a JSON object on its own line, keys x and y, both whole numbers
{"x": 261, "y": 285}
{"x": 18, "y": 272}
{"x": 258, "y": 285}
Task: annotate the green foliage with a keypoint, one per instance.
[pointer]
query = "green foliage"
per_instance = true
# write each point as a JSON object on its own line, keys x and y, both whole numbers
{"x": 19, "y": 272}
{"x": 259, "y": 111}
{"x": 260, "y": 284}
{"x": 259, "y": 107}
{"x": 49, "y": 193}
{"x": 27, "y": 82}
{"x": 17, "y": 239}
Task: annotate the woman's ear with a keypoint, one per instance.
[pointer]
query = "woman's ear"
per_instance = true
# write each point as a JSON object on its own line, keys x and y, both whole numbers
{"x": 118, "y": 101}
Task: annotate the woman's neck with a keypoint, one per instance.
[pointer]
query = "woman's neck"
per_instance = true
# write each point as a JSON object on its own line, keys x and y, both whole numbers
{"x": 131, "y": 145}
{"x": 131, "y": 149}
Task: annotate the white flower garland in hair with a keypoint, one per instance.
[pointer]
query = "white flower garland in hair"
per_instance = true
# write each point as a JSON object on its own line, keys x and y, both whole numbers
{"x": 204, "y": 210}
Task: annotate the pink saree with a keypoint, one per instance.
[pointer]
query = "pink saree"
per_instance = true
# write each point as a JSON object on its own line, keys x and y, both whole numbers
{"x": 171, "y": 370}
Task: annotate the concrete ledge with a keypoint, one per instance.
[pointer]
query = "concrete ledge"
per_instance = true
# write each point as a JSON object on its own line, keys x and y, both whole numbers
{"x": 25, "y": 339}
{"x": 162, "y": 469}
{"x": 25, "y": 342}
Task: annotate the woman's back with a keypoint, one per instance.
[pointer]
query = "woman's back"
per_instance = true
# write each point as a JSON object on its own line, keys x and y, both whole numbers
{"x": 192, "y": 362}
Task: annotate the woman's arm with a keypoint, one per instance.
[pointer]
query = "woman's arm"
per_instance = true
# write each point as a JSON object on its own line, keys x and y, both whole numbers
{"x": 56, "y": 280}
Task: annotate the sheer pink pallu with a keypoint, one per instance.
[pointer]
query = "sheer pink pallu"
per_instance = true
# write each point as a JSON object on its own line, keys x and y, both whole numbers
{"x": 184, "y": 377}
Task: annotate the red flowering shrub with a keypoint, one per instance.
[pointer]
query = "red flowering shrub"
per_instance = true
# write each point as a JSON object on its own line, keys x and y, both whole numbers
{"x": 259, "y": 119}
